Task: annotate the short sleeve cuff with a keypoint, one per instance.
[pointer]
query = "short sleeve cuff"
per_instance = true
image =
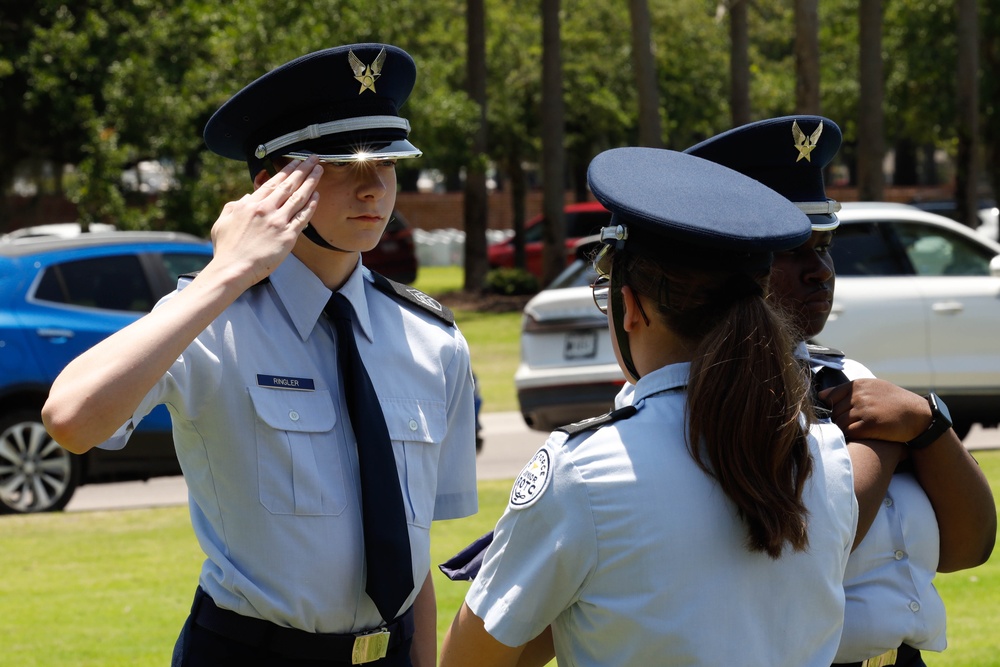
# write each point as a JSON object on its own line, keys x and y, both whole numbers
{"x": 120, "y": 437}
{"x": 456, "y": 505}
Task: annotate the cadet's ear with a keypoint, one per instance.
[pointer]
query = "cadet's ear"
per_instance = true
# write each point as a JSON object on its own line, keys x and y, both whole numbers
{"x": 630, "y": 319}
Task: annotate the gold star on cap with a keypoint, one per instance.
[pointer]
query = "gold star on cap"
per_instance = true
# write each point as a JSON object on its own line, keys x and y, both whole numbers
{"x": 804, "y": 144}
{"x": 366, "y": 74}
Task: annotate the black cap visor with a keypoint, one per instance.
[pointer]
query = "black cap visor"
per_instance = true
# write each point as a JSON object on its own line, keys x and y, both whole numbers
{"x": 400, "y": 149}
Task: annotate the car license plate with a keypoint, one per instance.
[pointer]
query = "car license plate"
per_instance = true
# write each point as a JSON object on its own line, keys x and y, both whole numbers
{"x": 580, "y": 345}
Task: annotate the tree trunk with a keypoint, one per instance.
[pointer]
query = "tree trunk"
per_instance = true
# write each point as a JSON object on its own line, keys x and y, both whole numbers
{"x": 905, "y": 171}
{"x": 929, "y": 163}
{"x": 739, "y": 63}
{"x": 871, "y": 133}
{"x": 553, "y": 150}
{"x": 990, "y": 34}
{"x": 807, "y": 56}
{"x": 518, "y": 199}
{"x": 644, "y": 62}
{"x": 475, "y": 177}
{"x": 967, "y": 104}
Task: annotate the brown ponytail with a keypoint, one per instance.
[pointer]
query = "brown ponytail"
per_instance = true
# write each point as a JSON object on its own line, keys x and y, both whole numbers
{"x": 746, "y": 395}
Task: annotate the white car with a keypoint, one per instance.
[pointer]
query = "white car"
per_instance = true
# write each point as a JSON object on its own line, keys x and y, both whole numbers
{"x": 917, "y": 300}
{"x": 989, "y": 223}
{"x": 568, "y": 370}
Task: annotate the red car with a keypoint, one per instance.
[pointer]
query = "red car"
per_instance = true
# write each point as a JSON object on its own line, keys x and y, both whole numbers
{"x": 581, "y": 220}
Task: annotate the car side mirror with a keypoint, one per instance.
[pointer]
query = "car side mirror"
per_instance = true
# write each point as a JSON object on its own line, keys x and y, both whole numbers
{"x": 995, "y": 267}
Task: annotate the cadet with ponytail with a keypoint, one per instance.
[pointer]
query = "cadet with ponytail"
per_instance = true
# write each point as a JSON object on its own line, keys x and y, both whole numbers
{"x": 708, "y": 519}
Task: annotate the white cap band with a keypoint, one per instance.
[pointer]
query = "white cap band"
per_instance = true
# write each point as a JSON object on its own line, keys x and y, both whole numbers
{"x": 318, "y": 130}
{"x": 828, "y": 207}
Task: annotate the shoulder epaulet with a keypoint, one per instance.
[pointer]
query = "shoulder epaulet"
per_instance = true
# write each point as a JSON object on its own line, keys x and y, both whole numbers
{"x": 413, "y": 296}
{"x": 597, "y": 422}
{"x": 822, "y": 350}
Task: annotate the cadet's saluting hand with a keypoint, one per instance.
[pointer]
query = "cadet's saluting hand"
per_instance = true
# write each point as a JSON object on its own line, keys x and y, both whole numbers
{"x": 258, "y": 231}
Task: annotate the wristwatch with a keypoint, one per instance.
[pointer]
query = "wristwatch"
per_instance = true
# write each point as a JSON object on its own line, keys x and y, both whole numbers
{"x": 940, "y": 422}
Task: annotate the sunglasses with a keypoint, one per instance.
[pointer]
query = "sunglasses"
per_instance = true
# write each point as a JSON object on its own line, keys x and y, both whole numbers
{"x": 601, "y": 287}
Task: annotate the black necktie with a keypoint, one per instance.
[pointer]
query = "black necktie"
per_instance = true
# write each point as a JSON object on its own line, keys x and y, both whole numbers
{"x": 387, "y": 543}
{"x": 824, "y": 378}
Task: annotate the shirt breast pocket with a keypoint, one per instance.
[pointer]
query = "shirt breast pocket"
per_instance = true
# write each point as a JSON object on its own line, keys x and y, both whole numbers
{"x": 299, "y": 467}
{"x": 417, "y": 427}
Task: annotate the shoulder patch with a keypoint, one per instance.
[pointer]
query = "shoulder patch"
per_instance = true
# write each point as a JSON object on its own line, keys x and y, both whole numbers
{"x": 533, "y": 480}
{"x": 414, "y": 297}
{"x": 597, "y": 422}
{"x": 822, "y": 350}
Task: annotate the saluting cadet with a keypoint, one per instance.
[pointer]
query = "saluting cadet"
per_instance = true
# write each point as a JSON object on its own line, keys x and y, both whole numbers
{"x": 938, "y": 513}
{"x": 705, "y": 523}
{"x": 323, "y": 415}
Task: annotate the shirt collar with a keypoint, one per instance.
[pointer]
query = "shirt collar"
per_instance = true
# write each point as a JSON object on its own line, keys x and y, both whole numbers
{"x": 815, "y": 363}
{"x": 671, "y": 376}
{"x": 304, "y": 295}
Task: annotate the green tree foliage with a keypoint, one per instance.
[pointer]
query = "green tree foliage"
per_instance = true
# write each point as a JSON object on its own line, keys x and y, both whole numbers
{"x": 920, "y": 90}
{"x": 692, "y": 53}
{"x": 105, "y": 84}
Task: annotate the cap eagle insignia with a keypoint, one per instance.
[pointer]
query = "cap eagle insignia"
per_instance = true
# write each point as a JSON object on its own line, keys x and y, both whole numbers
{"x": 366, "y": 74}
{"x": 804, "y": 144}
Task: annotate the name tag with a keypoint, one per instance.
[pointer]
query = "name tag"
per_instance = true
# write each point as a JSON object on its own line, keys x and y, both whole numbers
{"x": 282, "y": 382}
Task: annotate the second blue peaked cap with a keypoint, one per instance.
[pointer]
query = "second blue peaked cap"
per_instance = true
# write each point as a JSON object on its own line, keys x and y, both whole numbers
{"x": 788, "y": 155}
{"x": 678, "y": 208}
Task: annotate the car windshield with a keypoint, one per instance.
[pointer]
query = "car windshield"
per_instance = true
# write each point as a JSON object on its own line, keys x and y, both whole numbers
{"x": 178, "y": 264}
{"x": 938, "y": 252}
{"x": 110, "y": 283}
{"x": 579, "y": 273}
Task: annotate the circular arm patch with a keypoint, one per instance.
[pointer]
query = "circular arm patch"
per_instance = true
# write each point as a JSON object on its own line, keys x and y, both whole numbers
{"x": 532, "y": 482}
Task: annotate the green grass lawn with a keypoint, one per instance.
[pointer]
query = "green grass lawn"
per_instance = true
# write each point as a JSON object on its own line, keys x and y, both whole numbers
{"x": 494, "y": 339}
{"x": 107, "y": 589}
{"x": 972, "y": 598}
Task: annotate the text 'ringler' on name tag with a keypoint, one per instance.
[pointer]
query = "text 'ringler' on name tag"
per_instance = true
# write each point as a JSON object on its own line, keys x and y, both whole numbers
{"x": 284, "y": 382}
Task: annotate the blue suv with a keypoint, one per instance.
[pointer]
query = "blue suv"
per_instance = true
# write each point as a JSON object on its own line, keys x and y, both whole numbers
{"x": 58, "y": 297}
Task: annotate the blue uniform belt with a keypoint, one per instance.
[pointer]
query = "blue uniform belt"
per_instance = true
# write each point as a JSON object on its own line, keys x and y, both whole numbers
{"x": 299, "y": 644}
{"x": 904, "y": 656}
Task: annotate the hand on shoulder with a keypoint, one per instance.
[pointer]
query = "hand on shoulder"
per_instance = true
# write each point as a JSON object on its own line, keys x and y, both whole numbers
{"x": 874, "y": 408}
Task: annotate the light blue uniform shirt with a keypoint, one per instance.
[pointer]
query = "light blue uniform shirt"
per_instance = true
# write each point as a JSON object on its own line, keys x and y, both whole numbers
{"x": 265, "y": 444}
{"x": 636, "y": 557}
{"x": 891, "y": 599}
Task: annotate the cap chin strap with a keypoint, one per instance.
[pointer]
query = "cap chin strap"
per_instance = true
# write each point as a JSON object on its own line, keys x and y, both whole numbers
{"x": 309, "y": 232}
{"x": 618, "y": 317}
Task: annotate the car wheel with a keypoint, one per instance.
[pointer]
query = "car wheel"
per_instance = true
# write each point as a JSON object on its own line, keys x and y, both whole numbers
{"x": 36, "y": 474}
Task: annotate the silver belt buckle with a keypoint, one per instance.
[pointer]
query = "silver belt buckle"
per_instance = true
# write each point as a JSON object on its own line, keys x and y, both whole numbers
{"x": 370, "y": 646}
{"x": 884, "y": 660}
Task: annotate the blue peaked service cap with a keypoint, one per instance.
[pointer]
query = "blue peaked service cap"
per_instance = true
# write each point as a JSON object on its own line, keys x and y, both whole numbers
{"x": 678, "y": 208}
{"x": 788, "y": 155}
{"x": 341, "y": 103}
